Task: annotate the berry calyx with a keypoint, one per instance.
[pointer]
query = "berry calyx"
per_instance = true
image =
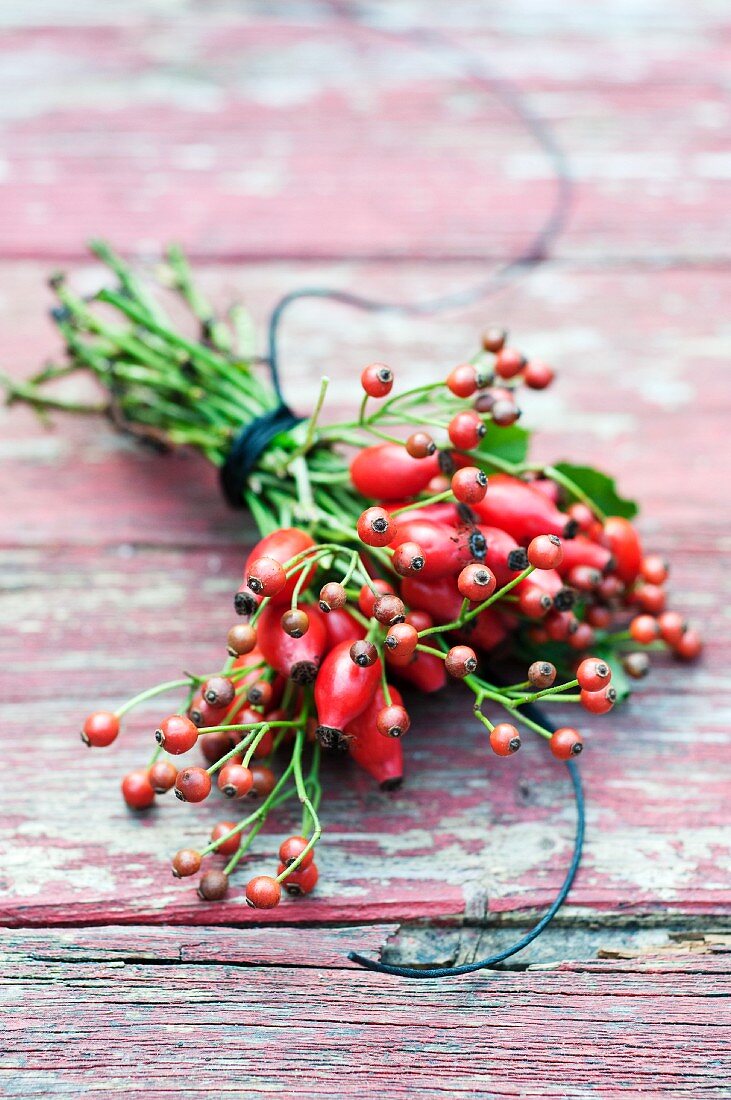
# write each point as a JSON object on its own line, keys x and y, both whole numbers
{"x": 186, "y": 862}
{"x": 162, "y": 775}
{"x": 542, "y": 674}
{"x": 332, "y": 597}
{"x": 229, "y": 846}
{"x": 263, "y": 892}
{"x": 393, "y": 721}
{"x": 469, "y": 485}
{"x": 100, "y": 729}
{"x": 566, "y": 743}
{"x": 504, "y": 739}
{"x": 377, "y": 380}
{"x": 545, "y": 552}
{"x": 476, "y": 582}
{"x": 177, "y": 734}
{"x": 137, "y": 791}
{"x": 376, "y": 527}
{"x": 213, "y": 886}
{"x": 193, "y": 785}
{"x": 291, "y": 848}
{"x": 234, "y": 780}
{"x": 461, "y": 661}
{"x": 266, "y": 577}
{"x": 593, "y": 674}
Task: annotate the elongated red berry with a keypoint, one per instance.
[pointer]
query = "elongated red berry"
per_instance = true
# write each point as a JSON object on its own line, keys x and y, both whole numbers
{"x": 177, "y": 734}
{"x": 162, "y": 775}
{"x": 461, "y": 661}
{"x": 566, "y": 743}
{"x": 100, "y": 729}
{"x": 345, "y": 686}
{"x": 593, "y": 674}
{"x": 469, "y": 484}
{"x": 377, "y": 380}
{"x": 476, "y": 582}
{"x": 263, "y": 892}
{"x": 545, "y": 552}
{"x": 504, "y": 739}
{"x": 387, "y": 471}
{"x": 290, "y": 850}
{"x": 137, "y": 790}
{"x": 235, "y": 780}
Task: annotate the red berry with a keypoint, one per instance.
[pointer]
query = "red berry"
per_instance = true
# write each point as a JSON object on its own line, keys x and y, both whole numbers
{"x": 622, "y": 540}
{"x": 186, "y": 862}
{"x": 566, "y": 743}
{"x": 263, "y": 781}
{"x": 420, "y": 445}
{"x": 644, "y": 629}
{"x": 193, "y": 785}
{"x": 177, "y": 734}
{"x": 689, "y": 646}
{"x": 300, "y": 882}
{"x": 377, "y": 380}
{"x": 260, "y": 694}
{"x": 538, "y": 375}
{"x": 463, "y": 380}
{"x": 215, "y": 745}
{"x": 227, "y": 847}
{"x": 363, "y": 654}
{"x": 476, "y": 582}
{"x": 654, "y": 569}
{"x": 401, "y": 640}
{"x": 137, "y": 790}
{"x": 533, "y": 602}
{"x": 367, "y": 597}
{"x": 408, "y": 559}
{"x": 466, "y": 429}
{"x": 213, "y": 886}
{"x": 265, "y": 576}
{"x": 291, "y": 848}
{"x": 263, "y": 892}
{"x": 672, "y": 627}
{"x": 545, "y": 552}
{"x": 509, "y": 362}
{"x": 469, "y": 485}
{"x": 393, "y": 721}
{"x": 295, "y": 622}
{"x": 389, "y": 610}
{"x": 542, "y": 674}
{"x": 593, "y": 674}
{"x": 599, "y": 617}
{"x": 650, "y": 597}
{"x": 583, "y": 637}
{"x": 584, "y": 577}
{"x": 332, "y": 597}
{"x": 599, "y": 702}
{"x": 219, "y": 692}
{"x": 100, "y": 729}
{"x": 375, "y": 527}
{"x": 504, "y": 739}
{"x": 461, "y": 661}
{"x": 419, "y": 619}
{"x": 235, "y": 780}
{"x": 241, "y": 639}
{"x": 494, "y": 339}
{"x": 162, "y": 775}
{"x": 582, "y": 514}
{"x": 560, "y": 625}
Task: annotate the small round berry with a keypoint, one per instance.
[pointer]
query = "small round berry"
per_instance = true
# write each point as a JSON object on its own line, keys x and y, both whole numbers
{"x": 509, "y": 362}
{"x": 654, "y": 569}
{"x": 593, "y": 674}
{"x": 636, "y": 665}
{"x": 542, "y": 674}
{"x": 672, "y": 627}
{"x": 566, "y": 743}
{"x": 533, "y": 602}
{"x": 469, "y": 485}
{"x": 363, "y": 653}
{"x": 611, "y": 588}
{"x": 215, "y": 745}
{"x": 332, "y": 597}
{"x": 177, "y": 734}
{"x": 476, "y": 582}
{"x": 263, "y": 892}
{"x": 494, "y": 339}
{"x": 377, "y": 380}
{"x": 420, "y": 445}
{"x": 291, "y": 848}
{"x": 560, "y": 625}
{"x": 193, "y": 785}
{"x": 644, "y": 629}
{"x": 213, "y": 886}
{"x": 389, "y": 610}
{"x": 504, "y": 413}
{"x": 599, "y": 617}
{"x": 585, "y": 578}
{"x": 466, "y": 429}
{"x": 295, "y": 622}
{"x": 266, "y": 577}
{"x": 100, "y": 729}
{"x": 245, "y": 602}
{"x": 162, "y": 775}
{"x": 538, "y": 635}
{"x": 264, "y": 746}
{"x": 545, "y": 552}
{"x": 263, "y": 781}
{"x": 582, "y": 514}
{"x": 463, "y": 380}
{"x": 229, "y": 846}
{"x": 300, "y": 882}
{"x": 651, "y": 598}
{"x": 235, "y": 780}
{"x": 504, "y": 739}
{"x": 367, "y": 597}
{"x": 599, "y": 702}
{"x": 219, "y": 692}
{"x": 186, "y": 862}
{"x": 393, "y": 721}
{"x": 690, "y": 646}
{"x": 375, "y": 527}
{"x": 402, "y": 639}
{"x": 420, "y": 620}
{"x": 461, "y": 661}
{"x": 583, "y": 637}
{"x": 260, "y": 693}
{"x": 137, "y": 791}
{"x": 408, "y": 559}
{"x": 538, "y": 375}
{"x": 241, "y": 639}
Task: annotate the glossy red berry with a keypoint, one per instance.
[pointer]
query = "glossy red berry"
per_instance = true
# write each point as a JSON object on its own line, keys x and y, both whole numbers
{"x": 367, "y": 597}
{"x": 599, "y": 702}
{"x": 420, "y": 445}
{"x": 672, "y": 627}
{"x": 377, "y": 380}
{"x": 584, "y": 578}
{"x": 393, "y": 721}
{"x": 265, "y": 576}
{"x": 494, "y": 339}
{"x": 419, "y": 619}
{"x": 229, "y": 846}
{"x": 332, "y": 597}
{"x": 300, "y": 882}
{"x": 509, "y": 362}
{"x": 263, "y": 892}
{"x": 186, "y": 862}
{"x": 291, "y": 848}
{"x": 263, "y": 781}
{"x": 476, "y": 582}
{"x": 593, "y": 674}
{"x": 408, "y": 559}
{"x": 193, "y": 785}
{"x": 654, "y": 569}
{"x": 690, "y": 646}
{"x": 461, "y": 661}
{"x": 376, "y": 527}
{"x": 542, "y": 674}
{"x": 463, "y": 380}
{"x": 162, "y": 775}
{"x": 213, "y": 886}
{"x": 545, "y": 552}
{"x": 177, "y": 734}
{"x": 538, "y": 375}
{"x": 466, "y": 429}
{"x": 469, "y": 485}
{"x": 566, "y": 743}
{"x": 219, "y": 692}
{"x": 504, "y": 739}
{"x": 100, "y": 729}
{"x": 234, "y": 780}
{"x": 651, "y": 598}
{"x": 533, "y": 602}
{"x": 644, "y": 629}
{"x": 401, "y": 640}
{"x": 241, "y": 639}
{"x": 137, "y": 790}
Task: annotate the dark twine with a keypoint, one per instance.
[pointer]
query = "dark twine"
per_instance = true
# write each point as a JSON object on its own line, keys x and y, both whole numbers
{"x": 253, "y": 440}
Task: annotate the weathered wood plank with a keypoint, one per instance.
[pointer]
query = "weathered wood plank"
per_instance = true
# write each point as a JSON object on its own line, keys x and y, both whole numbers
{"x": 93, "y": 1027}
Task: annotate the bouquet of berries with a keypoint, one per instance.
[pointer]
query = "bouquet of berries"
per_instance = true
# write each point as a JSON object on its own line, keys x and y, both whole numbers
{"x": 412, "y": 543}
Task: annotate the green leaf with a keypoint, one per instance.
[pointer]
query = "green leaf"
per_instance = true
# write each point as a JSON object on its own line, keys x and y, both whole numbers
{"x": 598, "y": 487}
{"x": 620, "y": 680}
{"x": 509, "y": 444}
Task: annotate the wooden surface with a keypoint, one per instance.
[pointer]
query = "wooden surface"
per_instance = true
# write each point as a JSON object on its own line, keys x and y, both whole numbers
{"x": 296, "y": 147}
